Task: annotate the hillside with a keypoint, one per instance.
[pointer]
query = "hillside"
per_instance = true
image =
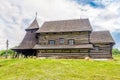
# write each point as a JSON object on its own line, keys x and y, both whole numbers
{"x": 59, "y": 69}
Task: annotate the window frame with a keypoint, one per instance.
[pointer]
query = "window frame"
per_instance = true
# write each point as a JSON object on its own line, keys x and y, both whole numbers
{"x": 51, "y": 41}
{"x": 61, "y": 40}
{"x": 72, "y": 42}
{"x": 96, "y": 48}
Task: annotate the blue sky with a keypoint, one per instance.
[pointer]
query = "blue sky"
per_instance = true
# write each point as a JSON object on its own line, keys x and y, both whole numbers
{"x": 16, "y": 15}
{"x": 92, "y": 3}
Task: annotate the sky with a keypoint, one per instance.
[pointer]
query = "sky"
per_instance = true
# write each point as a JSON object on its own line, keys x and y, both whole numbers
{"x": 17, "y": 15}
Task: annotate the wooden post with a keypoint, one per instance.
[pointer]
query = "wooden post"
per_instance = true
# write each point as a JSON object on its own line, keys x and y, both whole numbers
{"x": 6, "y": 49}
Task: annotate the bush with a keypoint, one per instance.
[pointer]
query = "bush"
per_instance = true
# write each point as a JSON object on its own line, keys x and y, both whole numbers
{"x": 116, "y": 51}
{"x": 3, "y": 52}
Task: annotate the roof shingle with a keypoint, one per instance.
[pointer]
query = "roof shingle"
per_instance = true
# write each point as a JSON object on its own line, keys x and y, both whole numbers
{"x": 66, "y": 26}
{"x": 30, "y": 39}
{"x": 28, "y": 42}
{"x": 33, "y": 25}
{"x": 101, "y": 37}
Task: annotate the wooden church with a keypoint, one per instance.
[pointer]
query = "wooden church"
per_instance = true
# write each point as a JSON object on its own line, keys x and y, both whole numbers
{"x": 66, "y": 39}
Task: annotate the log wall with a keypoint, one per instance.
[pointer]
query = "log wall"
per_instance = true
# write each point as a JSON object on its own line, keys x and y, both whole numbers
{"x": 103, "y": 51}
{"x": 79, "y": 37}
{"x": 66, "y": 53}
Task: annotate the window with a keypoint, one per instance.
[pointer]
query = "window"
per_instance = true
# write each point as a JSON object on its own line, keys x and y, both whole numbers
{"x": 96, "y": 48}
{"x": 71, "y": 41}
{"x": 52, "y": 42}
{"x": 61, "y": 40}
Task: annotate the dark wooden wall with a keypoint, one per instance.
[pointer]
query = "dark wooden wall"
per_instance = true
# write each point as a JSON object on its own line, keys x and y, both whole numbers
{"x": 103, "y": 51}
{"x": 63, "y": 53}
{"x": 79, "y": 37}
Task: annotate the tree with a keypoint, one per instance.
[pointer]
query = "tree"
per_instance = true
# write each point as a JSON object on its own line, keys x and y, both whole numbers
{"x": 116, "y": 51}
{"x": 3, "y": 52}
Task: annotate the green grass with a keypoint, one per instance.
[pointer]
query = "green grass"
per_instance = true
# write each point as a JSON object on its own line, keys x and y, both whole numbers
{"x": 59, "y": 69}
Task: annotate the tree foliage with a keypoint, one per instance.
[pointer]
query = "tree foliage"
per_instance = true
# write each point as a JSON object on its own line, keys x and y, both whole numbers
{"x": 116, "y": 51}
{"x": 3, "y": 52}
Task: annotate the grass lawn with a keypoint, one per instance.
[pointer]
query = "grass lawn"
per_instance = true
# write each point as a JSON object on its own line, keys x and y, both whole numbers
{"x": 59, "y": 69}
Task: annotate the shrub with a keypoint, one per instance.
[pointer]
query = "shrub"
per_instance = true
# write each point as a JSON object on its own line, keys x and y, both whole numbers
{"x": 116, "y": 51}
{"x": 3, "y": 52}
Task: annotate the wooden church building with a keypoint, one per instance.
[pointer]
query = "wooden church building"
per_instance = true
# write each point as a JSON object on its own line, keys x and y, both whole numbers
{"x": 66, "y": 39}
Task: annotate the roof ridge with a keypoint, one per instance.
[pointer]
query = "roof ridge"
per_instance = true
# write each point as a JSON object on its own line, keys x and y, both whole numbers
{"x": 66, "y": 20}
{"x": 102, "y": 31}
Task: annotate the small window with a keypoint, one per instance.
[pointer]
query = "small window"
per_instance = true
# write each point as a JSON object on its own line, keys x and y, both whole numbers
{"x": 52, "y": 42}
{"x": 96, "y": 48}
{"x": 71, "y": 41}
{"x": 61, "y": 40}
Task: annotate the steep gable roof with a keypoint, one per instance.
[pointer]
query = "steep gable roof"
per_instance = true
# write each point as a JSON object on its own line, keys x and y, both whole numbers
{"x": 28, "y": 42}
{"x": 66, "y": 26}
{"x": 29, "y": 39}
{"x": 101, "y": 37}
{"x": 33, "y": 25}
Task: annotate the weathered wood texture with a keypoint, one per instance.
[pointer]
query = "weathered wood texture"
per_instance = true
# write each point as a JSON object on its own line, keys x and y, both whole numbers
{"x": 79, "y": 37}
{"x": 64, "y": 55}
{"x": 66, "y": 38}
{"x": 64, "y": 51}
{"x": 67, "y": 53}
{"x": 103, "y": 51}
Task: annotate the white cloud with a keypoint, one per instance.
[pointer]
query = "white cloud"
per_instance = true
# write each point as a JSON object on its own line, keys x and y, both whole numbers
{"x": 14, "y": 12}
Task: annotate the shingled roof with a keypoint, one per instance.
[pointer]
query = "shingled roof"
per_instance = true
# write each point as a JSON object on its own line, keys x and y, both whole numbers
{"x": 28, "y": 42}
{"x": 101, "y": 37}
{"x": 66, "y": 26}
{"x": 33, "y": 25}
{"x": 30, "y": 39}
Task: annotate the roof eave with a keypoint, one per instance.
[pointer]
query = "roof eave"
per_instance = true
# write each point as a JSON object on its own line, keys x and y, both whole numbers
{"x": 73, "y": 47}
{"x": 28, "y": 29}
{"x": 63, "y": 31}
{"x": 103, "y": 42}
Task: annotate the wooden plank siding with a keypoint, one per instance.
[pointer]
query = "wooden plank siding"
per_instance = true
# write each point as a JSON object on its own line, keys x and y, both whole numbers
{"x": 103, "y": 51}
{"x": 63, "y": 55}
{"x": 79, "y": 37}
{"x": 66, "y": 53}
